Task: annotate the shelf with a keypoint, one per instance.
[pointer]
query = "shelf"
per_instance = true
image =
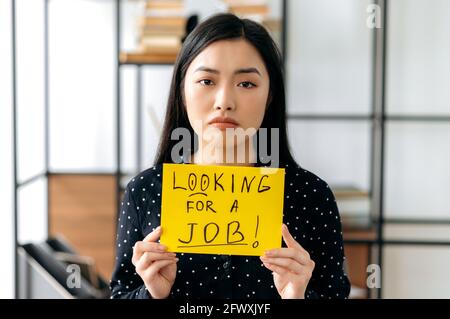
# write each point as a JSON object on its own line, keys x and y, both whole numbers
{"x": 354, "y": 206}
{"x": 134, "y": 58}
{"x": 356, "y": 223}
{"x": 369, "y": 234}
{"x": 333, "y": 117}
{"x": 344, "y": 192}
{"x": 445, "y": 118}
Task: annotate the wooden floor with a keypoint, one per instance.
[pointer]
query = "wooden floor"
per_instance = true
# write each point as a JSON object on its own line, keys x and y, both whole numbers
{"x": 82, "y": 209}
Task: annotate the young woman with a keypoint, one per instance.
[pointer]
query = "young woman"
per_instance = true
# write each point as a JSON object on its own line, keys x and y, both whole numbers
{"x": 229, "y": 75}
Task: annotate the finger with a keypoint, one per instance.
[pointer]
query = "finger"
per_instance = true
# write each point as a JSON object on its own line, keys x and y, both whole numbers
{"x": 276, "y": 269}
{"x": 154, "y": 235}
{"x": 149, "y": 257}
{"x": 287, "y": 263}
{"x": 158, "y": 265}
{"x": 141, "y": 247}
{"x": 149, "y": 246}
{"x": 294, "y": 253}
{"x": 288, "y": 239}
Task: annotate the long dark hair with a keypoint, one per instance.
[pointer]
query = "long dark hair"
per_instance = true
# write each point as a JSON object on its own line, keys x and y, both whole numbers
{"x": 222, "y": 27}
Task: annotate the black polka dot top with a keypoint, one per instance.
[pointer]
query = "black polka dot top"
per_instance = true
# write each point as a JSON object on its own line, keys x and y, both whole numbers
{"x": 312, "y": 217}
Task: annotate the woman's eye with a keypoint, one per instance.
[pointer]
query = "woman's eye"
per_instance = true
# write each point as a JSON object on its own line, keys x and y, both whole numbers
{"x": 247, "y": 85}
{"x": 205, "y": 82}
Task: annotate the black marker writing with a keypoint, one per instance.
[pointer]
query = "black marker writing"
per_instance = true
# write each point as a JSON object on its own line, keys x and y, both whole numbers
{"x": 205, "y": 232}
{"x": 216, "y": 181}
{"x": 256, "y": 243}
{"x": 236, "y": 231}
{"x": 174, "y": 183}
{"x": 200, "y": 206}
{"x": 201, "y": 183}
{"x": 190, "y": 237}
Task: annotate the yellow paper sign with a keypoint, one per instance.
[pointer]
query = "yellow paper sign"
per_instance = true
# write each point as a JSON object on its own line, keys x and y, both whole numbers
{"x": 221, "y": 209}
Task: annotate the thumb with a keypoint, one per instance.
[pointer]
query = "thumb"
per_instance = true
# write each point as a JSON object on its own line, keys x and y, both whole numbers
{"x": 154, "y": 235}
{"x": 288, "y": 239}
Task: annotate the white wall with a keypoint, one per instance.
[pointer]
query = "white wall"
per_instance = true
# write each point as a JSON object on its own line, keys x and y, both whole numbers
{"x": 32, "y": 207}
{"x": 329, "y": 52}
{"x": 6, "y": 160}
{"x": 82, "y": 85}
{"x": 419, "y": 57}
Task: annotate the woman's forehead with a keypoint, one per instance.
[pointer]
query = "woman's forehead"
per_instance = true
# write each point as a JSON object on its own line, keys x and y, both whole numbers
{"x": 229, "y": 55}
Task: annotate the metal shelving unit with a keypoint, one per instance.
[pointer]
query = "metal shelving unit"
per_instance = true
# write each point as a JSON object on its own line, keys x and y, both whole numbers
{"x": 378, "y": 120}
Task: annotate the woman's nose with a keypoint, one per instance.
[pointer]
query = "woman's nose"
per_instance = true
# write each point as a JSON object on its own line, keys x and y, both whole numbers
{"x": 224, "y": 100}
{"x": 219, "y": 107}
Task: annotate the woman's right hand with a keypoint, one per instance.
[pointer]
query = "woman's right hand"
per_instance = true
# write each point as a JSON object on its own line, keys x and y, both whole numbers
{"x": 155, "y": 265}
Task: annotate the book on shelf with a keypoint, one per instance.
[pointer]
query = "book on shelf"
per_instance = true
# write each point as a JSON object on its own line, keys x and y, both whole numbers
{"x": 149, "y": 31}
{"x": 249, "y": 9}
{"x": 354, "y": 205}
{"x": 349, "y": 191}
{"x": 245, "y": 2}
{"x": 164, "y": 5}
{"x": 161, "y": 27}
{"x": 162, "y": 22}
{"x": 160, "y": 46}
{"x": 160, "y": 8}
{"x": 254, "y": 10}
{"x": 146, "y": 57}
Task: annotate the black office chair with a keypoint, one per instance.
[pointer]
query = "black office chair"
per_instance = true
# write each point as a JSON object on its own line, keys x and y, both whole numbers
{"x": 44, "y": 254}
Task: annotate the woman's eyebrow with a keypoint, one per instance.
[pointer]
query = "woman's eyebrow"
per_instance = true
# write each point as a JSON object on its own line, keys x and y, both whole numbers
{"x": 247, "y": 70}
{"x": 238, "y": 71}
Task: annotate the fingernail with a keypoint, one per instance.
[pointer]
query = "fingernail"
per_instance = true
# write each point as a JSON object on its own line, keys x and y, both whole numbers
{"x": 162, "y": 247}
{"x": 268, "y": 253}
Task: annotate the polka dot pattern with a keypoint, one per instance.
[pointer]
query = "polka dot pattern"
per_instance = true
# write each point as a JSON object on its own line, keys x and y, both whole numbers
{"x": 310, "y": 212}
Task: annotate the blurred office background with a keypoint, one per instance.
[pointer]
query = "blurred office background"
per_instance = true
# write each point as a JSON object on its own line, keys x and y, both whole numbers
{"x": 368, "y": 98}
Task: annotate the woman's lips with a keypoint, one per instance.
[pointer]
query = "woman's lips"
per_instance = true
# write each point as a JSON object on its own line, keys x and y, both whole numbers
{"x": 224, "y": 125}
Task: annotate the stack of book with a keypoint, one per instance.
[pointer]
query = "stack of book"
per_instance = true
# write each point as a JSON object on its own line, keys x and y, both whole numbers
{"x": 162, "y": 27}
{"x": 256, "y": 10}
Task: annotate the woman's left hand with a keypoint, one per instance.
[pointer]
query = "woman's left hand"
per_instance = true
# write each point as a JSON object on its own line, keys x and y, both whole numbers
{"x": 292, "y": 267}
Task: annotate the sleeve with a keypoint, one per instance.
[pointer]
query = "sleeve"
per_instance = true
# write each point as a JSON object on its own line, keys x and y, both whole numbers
{"x": 329, "y": 279}
{"x": 125, "y": 282}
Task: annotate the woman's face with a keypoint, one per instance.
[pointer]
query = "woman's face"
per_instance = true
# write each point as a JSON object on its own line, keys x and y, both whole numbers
{"x": 227, "y": 79}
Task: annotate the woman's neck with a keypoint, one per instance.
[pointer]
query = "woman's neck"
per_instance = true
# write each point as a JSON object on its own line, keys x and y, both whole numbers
{"x": 239, "y": 156}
